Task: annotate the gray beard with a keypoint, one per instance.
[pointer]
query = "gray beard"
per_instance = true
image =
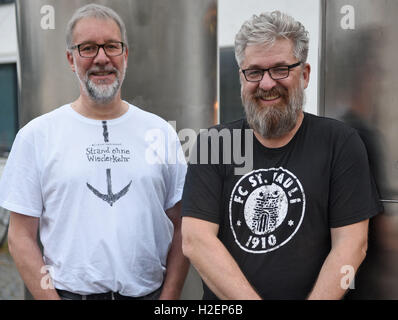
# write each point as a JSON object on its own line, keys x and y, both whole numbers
{"x": 103, "y": 93}
{"x": 274, "y": 121}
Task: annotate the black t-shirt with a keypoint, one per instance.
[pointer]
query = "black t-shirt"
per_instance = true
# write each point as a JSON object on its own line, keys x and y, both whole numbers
{"x": 275, "y": 219}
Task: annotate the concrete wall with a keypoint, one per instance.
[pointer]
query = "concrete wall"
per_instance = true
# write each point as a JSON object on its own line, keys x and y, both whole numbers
{"x": 8, "y": 34}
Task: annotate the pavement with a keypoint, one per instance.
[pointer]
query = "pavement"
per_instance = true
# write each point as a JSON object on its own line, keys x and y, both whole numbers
{"x": 11, "y": 284}
{"x": 2, "y": 164}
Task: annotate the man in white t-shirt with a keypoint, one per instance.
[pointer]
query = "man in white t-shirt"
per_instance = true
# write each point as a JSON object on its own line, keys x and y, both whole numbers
{"x": 103, "y": 180}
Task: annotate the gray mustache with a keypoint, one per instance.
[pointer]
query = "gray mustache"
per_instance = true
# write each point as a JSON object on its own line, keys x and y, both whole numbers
{"x": 95, "y": 70}
{"x": 260, "y": 93}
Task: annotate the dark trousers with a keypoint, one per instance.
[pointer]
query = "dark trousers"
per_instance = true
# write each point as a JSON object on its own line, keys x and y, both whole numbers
{"x": 66, "y": 295}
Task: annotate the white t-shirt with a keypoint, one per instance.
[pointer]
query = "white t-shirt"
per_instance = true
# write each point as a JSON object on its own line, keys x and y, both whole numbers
{"x": 101, "y": 190}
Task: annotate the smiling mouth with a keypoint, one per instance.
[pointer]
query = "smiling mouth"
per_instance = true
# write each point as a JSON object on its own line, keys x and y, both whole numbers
{"x": 101, "y": 74}
{"x": 270, "y": 98}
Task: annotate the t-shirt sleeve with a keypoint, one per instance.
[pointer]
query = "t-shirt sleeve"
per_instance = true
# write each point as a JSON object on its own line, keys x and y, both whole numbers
{"x": 353, "y": 194}
{"x": 203, "y": 187}
{"x": 177, "y": 169}
{"x": 20, "y": 189}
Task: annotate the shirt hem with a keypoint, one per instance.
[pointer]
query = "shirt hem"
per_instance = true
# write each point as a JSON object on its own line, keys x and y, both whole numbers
{"x": 19, "y": 209}
{"x": 200, "y": 215}
{"x": 354, "y": 219}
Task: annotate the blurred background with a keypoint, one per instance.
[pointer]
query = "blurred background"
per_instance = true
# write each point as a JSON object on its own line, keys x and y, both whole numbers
{"x": 11, "y": 285}
{"x": 188, "y": 46}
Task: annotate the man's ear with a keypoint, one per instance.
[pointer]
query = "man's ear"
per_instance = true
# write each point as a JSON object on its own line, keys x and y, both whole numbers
{"x": 69, "y": 57}
{"x": 241, "y": 76}
{"x": 126, "y": 55}
{"x": 306, "y": 74}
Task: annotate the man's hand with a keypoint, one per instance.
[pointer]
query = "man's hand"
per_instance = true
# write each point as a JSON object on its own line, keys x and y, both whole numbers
{"x": 177, "y": 264}
{"x": 213, "y": 261}
{"x": 22, "y": 243}
{"x": 349, "y": 245}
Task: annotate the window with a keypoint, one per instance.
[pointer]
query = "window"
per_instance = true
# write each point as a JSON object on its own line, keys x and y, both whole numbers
{"x": 8, "y": 106}
{"x": 230, "y": 103}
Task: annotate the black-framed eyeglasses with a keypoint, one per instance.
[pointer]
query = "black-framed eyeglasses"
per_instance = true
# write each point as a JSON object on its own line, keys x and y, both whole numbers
{"x": 276, "y": 73}
{"x": 90, "y": 50}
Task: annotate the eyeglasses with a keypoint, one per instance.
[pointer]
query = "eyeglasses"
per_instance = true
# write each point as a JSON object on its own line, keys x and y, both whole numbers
{"x": 90, "y": 50}
{"x": 276, "y": 73}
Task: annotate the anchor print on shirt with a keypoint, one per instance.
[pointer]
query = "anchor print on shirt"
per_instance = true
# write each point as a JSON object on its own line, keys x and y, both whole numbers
{"x": 110, "y": 197}
{"x": 105, "y": 133}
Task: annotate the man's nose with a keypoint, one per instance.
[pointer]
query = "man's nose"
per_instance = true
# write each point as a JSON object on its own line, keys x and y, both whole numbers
{"x": 101, "y": 57}
{"x": 267, "y": 83}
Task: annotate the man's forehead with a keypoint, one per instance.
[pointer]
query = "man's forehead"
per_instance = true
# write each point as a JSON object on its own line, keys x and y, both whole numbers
{"x": 89, "y": 28}
{"x": 278, "y": 46}
{"x": 279, "y": 52}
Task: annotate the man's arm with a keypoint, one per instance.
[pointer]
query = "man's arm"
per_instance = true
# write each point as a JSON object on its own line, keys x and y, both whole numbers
{"x": 22, "y": 243}
{"x": 214, "y": 263}
{"x": 349, "y": 245}
{"x": 177, "y": 264}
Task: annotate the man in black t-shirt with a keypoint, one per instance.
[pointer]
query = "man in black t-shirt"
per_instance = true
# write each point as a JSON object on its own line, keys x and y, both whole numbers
{"x": 293, "y": 224}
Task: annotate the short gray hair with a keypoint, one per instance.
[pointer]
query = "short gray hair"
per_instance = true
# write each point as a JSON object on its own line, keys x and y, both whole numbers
{"x": 269, "y": 27}
{"x": 94, "y": 11}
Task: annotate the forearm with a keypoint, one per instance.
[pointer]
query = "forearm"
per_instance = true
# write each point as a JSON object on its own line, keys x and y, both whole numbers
{"x": 30, "y": 264}
{"x": 176, "y": 270}
{"x": 331, "y": 284}
{"x": 219, "y": 270}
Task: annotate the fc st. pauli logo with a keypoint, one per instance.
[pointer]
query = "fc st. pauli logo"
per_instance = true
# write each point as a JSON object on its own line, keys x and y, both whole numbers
{"x": 266, "y": 209}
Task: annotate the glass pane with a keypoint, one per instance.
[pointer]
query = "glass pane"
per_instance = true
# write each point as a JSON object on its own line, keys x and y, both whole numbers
{"x": 230, "y": 103}
{"x": 8, "y": 106}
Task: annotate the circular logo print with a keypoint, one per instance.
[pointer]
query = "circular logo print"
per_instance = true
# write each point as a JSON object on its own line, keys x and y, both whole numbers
{"x": 266, "y": 209}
